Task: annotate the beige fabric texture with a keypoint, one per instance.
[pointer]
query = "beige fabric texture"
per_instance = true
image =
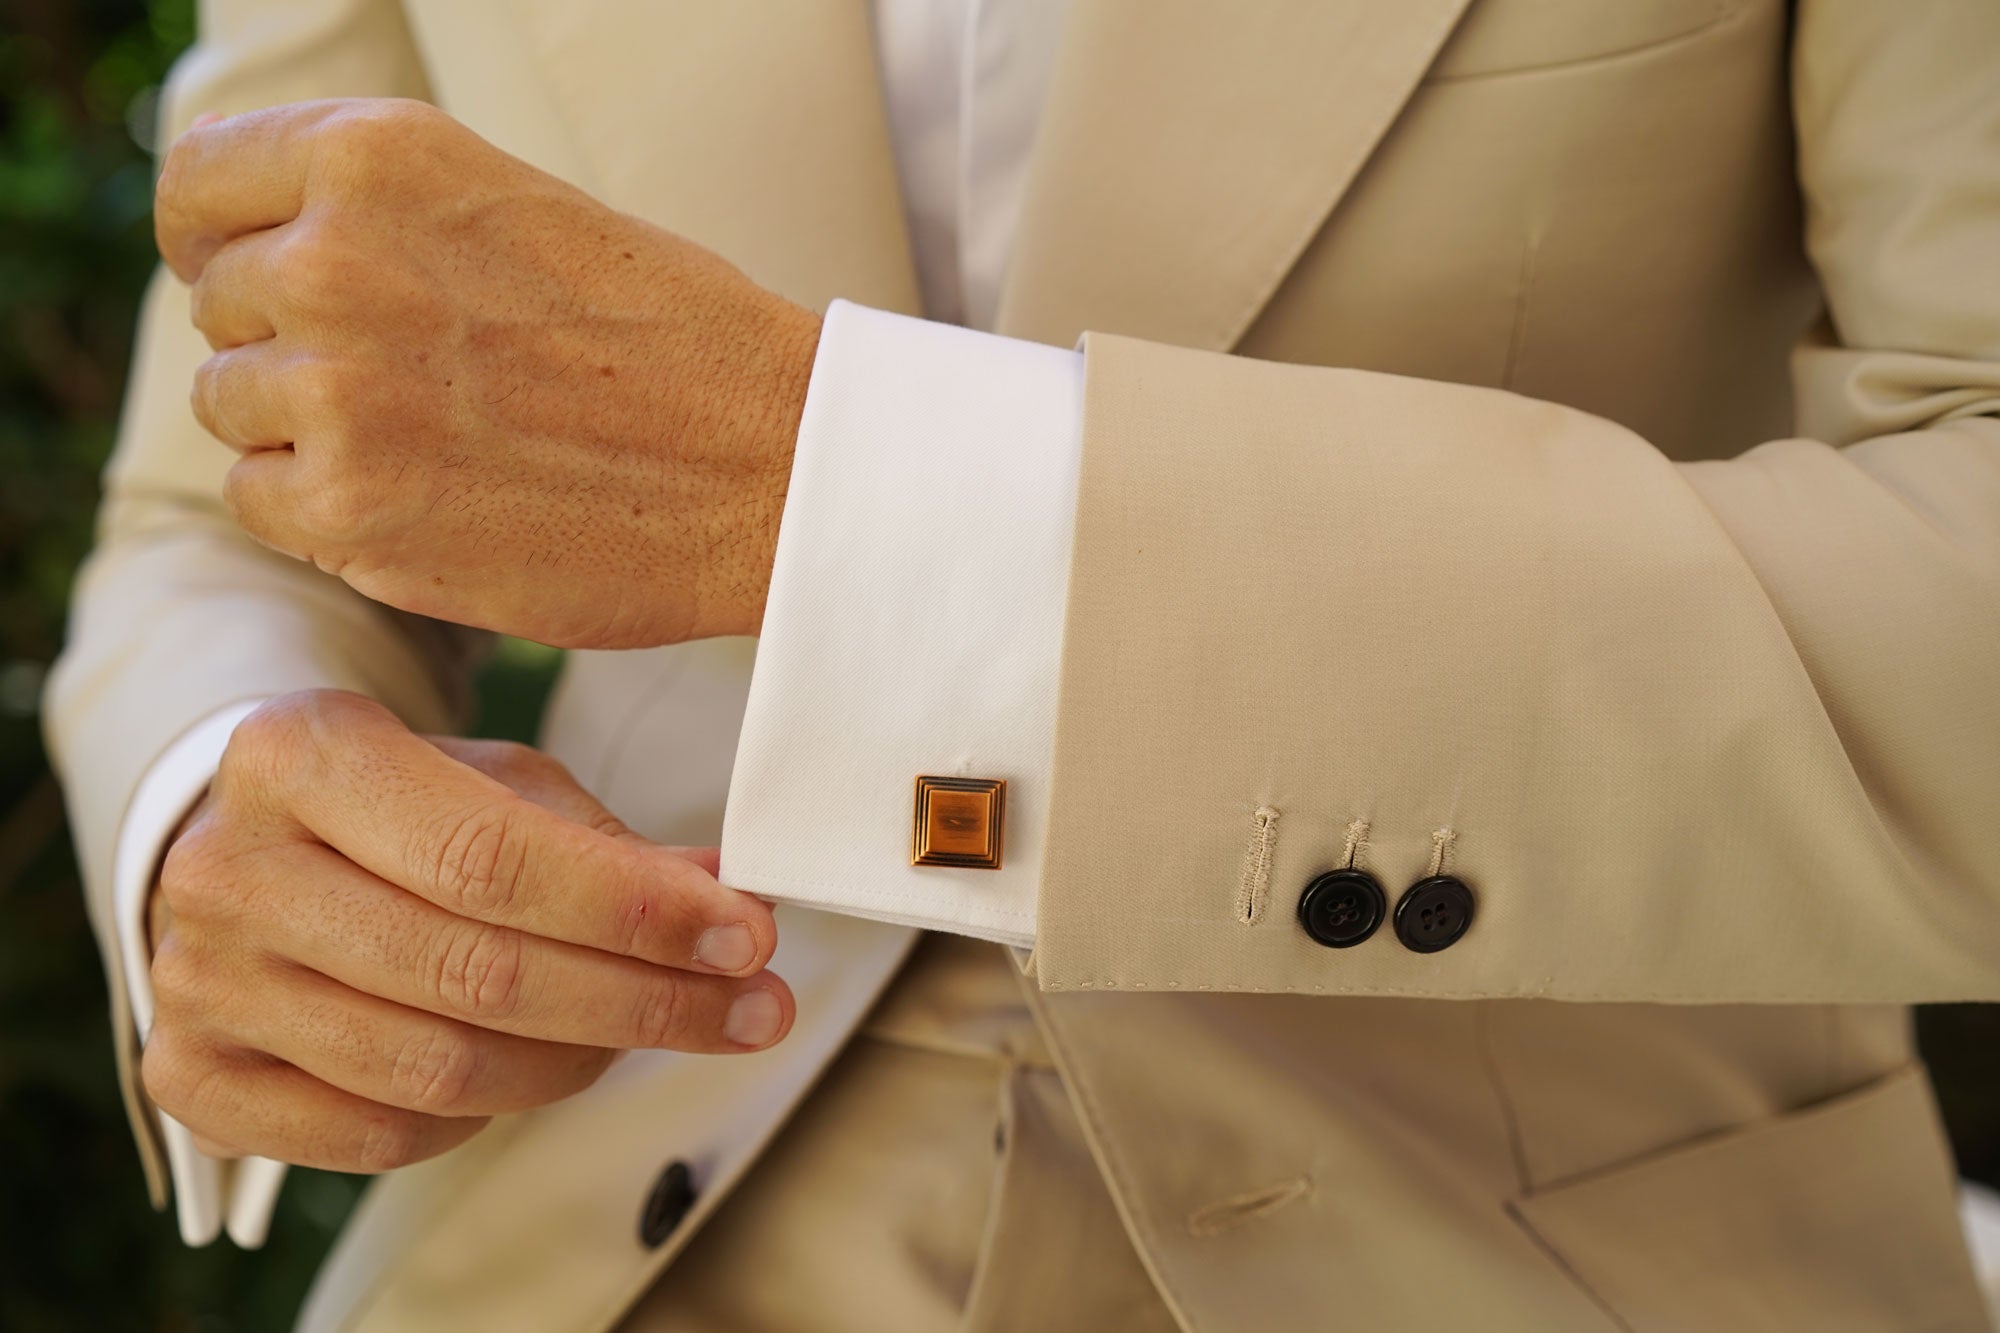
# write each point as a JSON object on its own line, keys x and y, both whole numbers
{"x": 943, "y": 1135}
{"x": 1566, "y": 424}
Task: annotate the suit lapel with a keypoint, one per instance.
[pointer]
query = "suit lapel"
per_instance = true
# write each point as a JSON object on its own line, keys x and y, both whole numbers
{"x": 1191, "y": 149}
{"x": 761, "y": 135}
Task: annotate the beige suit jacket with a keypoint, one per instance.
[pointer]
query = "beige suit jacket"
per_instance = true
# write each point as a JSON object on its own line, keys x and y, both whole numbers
{"x": 1565, "y": 424}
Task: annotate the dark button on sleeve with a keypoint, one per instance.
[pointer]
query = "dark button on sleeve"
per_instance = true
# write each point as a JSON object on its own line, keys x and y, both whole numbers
{"x": 672, "y": 1195}
{"x": 1434, "y": 914}
{"x": 1342, "y": 908}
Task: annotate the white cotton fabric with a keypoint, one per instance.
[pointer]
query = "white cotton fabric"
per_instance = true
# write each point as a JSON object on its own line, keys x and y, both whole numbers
{"x": 209, "y": 1195}
{"x": 914, "y": 623}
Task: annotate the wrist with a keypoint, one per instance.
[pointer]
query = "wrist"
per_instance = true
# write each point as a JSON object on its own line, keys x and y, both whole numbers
{"x": 762, "y": 407}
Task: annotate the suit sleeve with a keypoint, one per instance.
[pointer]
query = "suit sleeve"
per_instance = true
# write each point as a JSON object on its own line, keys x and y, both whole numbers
{"x": 177, "y": 615}
{"x": 1709, "y": 732}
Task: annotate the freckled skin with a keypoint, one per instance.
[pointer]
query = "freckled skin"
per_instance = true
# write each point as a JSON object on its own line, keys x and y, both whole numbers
{"x": 361, "y": 933}
{"x": 474, "y": 392}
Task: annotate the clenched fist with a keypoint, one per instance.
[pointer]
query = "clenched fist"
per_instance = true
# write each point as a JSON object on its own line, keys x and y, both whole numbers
{"x": 366, "y": 942}
{"x": 474, "y": 392}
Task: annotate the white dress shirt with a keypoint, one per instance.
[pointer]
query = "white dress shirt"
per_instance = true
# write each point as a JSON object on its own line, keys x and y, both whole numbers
{"x": 915, "y": 616}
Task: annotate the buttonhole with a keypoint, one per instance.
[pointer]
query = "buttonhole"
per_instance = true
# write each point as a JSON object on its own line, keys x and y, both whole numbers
{"x": 1215, "y": 1218}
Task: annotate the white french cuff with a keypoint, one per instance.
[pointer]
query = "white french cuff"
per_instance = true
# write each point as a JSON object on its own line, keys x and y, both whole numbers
{"x": 210, "y": 1195}
{"x": 914, "y": 625}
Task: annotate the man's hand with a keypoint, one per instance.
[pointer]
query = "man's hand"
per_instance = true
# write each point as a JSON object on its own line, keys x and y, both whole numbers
{"x": 368, "y": 942}
{"x": 474, "y": 392}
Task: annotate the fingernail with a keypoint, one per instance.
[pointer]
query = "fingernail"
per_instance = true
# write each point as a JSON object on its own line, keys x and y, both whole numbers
{"x": 753, "y": 1020}
{"x": 726, "y": 948}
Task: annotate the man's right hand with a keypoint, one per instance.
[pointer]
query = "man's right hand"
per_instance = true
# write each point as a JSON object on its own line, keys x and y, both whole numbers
{"x": 367, "y": 942}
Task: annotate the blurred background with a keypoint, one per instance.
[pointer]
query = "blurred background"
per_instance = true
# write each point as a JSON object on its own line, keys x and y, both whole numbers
{"x": 79, "y": 1247}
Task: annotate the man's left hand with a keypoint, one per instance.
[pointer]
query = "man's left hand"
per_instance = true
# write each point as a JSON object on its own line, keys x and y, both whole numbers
{"x": 474, "y": 392}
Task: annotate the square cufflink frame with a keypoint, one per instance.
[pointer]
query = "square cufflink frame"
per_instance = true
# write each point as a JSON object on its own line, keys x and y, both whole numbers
{"x": 959, "y": 822}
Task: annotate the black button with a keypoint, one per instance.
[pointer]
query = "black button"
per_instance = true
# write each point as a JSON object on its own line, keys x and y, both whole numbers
{"x": 1434, "y": 914}
{"x": 673, "y": 1194}
{"x": 1342, "y": 908}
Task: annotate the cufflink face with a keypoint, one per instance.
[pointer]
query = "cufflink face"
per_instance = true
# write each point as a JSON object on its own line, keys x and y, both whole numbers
{"x": 958, "y": 822}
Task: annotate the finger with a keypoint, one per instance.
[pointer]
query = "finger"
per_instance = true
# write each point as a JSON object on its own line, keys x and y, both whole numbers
{"x": 227, "y": 177}
{"x": 235, "y": 296}
{"x": 535, "y": 775}
{"x": 264, "y": 490}
{"x": 544, "y": 780}
{"x": 406, "y": 811}
{"x": 234, "y": 176}
{"x": 159, "y": 919}
{"x": 243, "y": 396}
{"x": 208, "y": 1147}
{"x": 371, "y": 936}
{"x": 245, "y": 1104}
{"x": 400, "y": 1057}
{"x": 708, "y": 858}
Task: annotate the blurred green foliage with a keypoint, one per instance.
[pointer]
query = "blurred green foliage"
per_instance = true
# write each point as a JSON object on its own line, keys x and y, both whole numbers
{"x": 79, "y": 1248}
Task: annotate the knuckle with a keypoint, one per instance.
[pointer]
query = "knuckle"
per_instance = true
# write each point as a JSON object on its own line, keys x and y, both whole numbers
{"x": 479, "y": 861}
{"x": 182, "y": 1078}
{"x": 265, "y": 745}
{"x": 191, "y": 874}
{"x": 173, "y": 166}
{"x": 350, "y": 139}
{"x": 314, "y": 271}
{"x": 289, "y": 741}
{"x": 208, "y": 305}
{"x": 321, "y": 712}
{"x": 329, "y": 399}
{"x": 219, "y": 394}
{"x": 433, "y": 1071}
{"x": 665, "y": 1014}
{"x": 339, "y": 508}
{"x": 247, "y": 505}
{"x": 204, "y": 882}
{"x": 163, "y": 1070}
{"x": 170, "y": 190}
{"x": 398, "y": 117}
{"x": 175, "y": 980}
{"x": 201, "y": 301}
{"x": 206, "y": 390}
{"x": 369, "y": 134}
{"x": 318, "y": 388}
{"x": 480, "y": 974}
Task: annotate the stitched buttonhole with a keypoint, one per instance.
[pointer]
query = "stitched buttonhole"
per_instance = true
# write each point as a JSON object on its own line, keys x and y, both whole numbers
{"x": 1253, "y": 890}
{"x": 1442, "y": 842}
{"x": 1357, "y": 842}
{"x": 1220, "y": 1216}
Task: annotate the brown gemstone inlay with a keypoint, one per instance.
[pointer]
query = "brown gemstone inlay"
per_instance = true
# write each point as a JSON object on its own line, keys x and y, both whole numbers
{"x": 958, "y": 822}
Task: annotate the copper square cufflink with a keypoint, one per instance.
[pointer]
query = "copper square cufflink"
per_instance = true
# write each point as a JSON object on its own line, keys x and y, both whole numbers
{"x": 959, "y": 822}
